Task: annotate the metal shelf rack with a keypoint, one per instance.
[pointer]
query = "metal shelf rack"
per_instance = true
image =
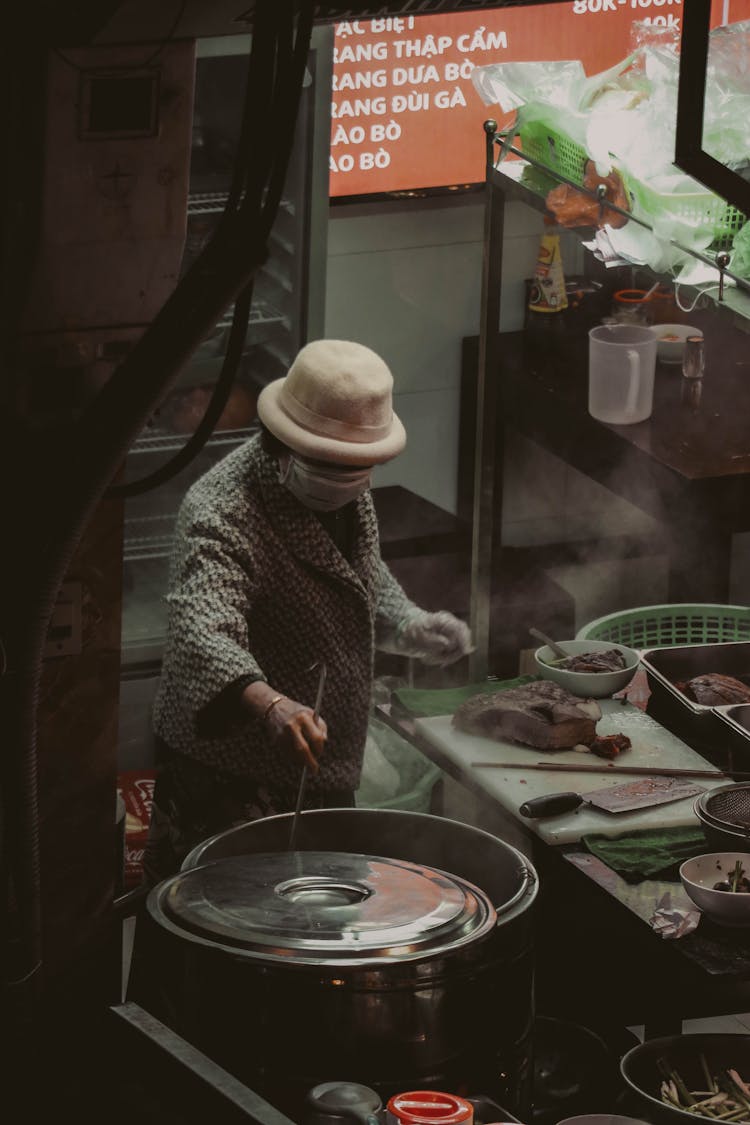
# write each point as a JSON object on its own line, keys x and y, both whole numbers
{"x": 513, "y": 181}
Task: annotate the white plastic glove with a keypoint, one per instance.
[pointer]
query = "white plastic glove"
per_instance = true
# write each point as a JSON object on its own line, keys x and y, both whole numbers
{"x": 435, "y": 638}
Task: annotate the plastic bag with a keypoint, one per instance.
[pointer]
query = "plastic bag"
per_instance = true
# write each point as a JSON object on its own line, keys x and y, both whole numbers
{"x": 628, "y": 112}
{"x": 396, "y": 776}
{"x": 546, "y": 93}
{"x": 636, "y": 244}
{"x": 624, "y": 120}
{"x": 631, "y": 112}
{"x": 726, "y": 121}
{"x": 379, "y": 781}
{"x": 511, "y": 85}
{"x": 740, "y": 261}
{"x": 644, "y": 33}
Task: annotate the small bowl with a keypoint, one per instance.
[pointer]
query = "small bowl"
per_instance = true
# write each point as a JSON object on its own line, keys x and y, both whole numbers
{"x": 592, "y": 685}
{"x": 670, "y": 341}
{"x": 698, "y": 876}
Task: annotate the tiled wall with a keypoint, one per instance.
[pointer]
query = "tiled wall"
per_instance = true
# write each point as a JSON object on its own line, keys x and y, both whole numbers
{"x": 405, "y": 278}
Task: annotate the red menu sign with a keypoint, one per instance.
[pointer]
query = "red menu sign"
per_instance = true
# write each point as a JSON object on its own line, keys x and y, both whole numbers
{"x": 405, "y": 112}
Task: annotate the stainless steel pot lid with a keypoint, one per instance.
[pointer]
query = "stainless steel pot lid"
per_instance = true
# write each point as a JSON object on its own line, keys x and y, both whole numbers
{"x": 313, "y": 906}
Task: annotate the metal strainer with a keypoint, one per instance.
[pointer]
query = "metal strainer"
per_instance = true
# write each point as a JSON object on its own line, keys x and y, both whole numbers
{"x": 727, "y": 807}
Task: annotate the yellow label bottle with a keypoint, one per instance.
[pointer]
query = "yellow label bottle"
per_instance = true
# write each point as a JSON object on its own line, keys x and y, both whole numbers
{"x": 548, "y": 284}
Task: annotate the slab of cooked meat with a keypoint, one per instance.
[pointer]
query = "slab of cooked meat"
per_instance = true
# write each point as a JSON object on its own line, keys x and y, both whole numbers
{"x": 715, "y": 690}
{"x": 541, "y": 714}
{"x": 610, "y": 745}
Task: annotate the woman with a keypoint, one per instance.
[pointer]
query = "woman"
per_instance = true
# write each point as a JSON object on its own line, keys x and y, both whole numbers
{"x": 277, "y": 569}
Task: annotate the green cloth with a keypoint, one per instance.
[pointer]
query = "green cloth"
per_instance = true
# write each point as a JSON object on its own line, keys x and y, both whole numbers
{"x": 639, "y": 855}
{"x": 422, "y": 702}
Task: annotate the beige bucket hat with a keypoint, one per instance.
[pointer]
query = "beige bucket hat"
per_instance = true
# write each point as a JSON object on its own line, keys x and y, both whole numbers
{"x": 335, "y": 404}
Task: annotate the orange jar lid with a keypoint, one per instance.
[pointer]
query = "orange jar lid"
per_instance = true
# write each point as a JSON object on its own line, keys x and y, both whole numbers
{"x": 430, "y": 1107}
{"x": 630, "y": 296}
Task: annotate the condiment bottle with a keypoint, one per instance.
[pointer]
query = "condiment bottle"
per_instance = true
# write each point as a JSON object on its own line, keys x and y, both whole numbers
{"x": 429, "y": 1107}
{"x": 632, "y": 306}
{"x": 693, "y": 358}
{"x": 548, "y": 298}
{"x": 692, "y": 393}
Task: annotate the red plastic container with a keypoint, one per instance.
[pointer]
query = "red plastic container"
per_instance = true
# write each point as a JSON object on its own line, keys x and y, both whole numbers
{"x": 429, "y": 1107}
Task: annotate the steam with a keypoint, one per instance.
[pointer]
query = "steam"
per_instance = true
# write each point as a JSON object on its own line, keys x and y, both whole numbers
{"x": 619, "y": 553}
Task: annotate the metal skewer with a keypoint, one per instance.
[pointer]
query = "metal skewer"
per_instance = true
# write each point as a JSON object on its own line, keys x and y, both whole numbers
{"x": 303, "y": 777}
{"x": 558, "y": 650}
{"x": 566, "y": 767}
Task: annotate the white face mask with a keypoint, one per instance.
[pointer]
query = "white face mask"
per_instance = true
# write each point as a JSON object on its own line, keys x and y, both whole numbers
{"x": 323, "y": 488}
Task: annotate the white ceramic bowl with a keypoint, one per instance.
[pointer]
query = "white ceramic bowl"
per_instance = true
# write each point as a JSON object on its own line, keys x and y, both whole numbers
{"x": 698, "y": 876}
{"x": 596, "y": 685}
{"x": 670, "y": 340}
{"x": 601, "y": 1119}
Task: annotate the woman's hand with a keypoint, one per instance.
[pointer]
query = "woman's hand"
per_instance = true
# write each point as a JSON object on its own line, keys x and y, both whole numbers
{"x": 294, "y": 728}
{"x": 291, "y": 725}
{"x": 435, "y": 638}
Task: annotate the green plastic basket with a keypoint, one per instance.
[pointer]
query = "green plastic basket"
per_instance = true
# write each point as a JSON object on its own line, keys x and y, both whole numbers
{"x": 554, "y": 149}
{"x": 701, "y": 208}
{"x": 661, "y": 626}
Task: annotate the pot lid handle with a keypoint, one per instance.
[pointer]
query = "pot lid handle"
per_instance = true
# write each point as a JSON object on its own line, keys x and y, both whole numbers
{"x": 346, "y": 1099}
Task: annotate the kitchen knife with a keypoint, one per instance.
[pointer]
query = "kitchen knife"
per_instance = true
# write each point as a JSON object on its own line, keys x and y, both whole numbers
{"x": 641, "y": 794}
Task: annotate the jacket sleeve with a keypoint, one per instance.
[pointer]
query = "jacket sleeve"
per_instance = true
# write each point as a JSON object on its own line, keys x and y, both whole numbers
{"x": 394, "y": 610}
{"x": 211, "y": 591}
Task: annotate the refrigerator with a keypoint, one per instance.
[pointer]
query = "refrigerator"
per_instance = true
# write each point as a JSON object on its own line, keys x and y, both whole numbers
{"x": 287, "y": 310}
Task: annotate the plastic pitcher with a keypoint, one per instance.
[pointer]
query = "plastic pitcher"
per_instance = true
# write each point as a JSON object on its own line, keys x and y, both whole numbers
{"x": 622, "y": 358}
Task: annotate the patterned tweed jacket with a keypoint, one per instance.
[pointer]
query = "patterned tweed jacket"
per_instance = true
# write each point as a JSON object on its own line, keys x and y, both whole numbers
{"x": 258, "y": 587}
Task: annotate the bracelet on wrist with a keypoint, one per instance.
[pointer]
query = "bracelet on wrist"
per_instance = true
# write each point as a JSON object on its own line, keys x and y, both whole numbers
{"x": 276, "y": 699}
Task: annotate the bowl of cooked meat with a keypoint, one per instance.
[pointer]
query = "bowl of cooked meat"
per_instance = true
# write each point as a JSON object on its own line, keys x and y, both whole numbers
{"x": 681, "y": 1078}
{"x": 595, "y": 669}
{"x": 719, "y": 885}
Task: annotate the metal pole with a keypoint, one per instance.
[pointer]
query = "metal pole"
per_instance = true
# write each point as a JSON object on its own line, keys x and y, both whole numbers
{"x": 487, "y": 507}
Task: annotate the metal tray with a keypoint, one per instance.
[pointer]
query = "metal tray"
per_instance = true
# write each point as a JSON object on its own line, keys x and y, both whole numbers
{"x": 705, "y": 728}
{"x": 736, "y": 720}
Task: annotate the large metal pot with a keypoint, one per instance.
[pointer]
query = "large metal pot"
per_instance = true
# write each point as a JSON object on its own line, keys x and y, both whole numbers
{"x": 393, "y": 949}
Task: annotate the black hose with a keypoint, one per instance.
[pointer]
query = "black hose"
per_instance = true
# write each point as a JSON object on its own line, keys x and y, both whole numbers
{"x": 288, "y": 73}
{"x": 24, "y": 84}
{"x": 214, "y": 409}
{"x": 292, "y": 77}
{"x": 258, "y": 125}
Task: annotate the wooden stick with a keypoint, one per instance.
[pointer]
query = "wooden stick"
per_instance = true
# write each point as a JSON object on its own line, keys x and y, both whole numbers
{"x": 607, "y": 767}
